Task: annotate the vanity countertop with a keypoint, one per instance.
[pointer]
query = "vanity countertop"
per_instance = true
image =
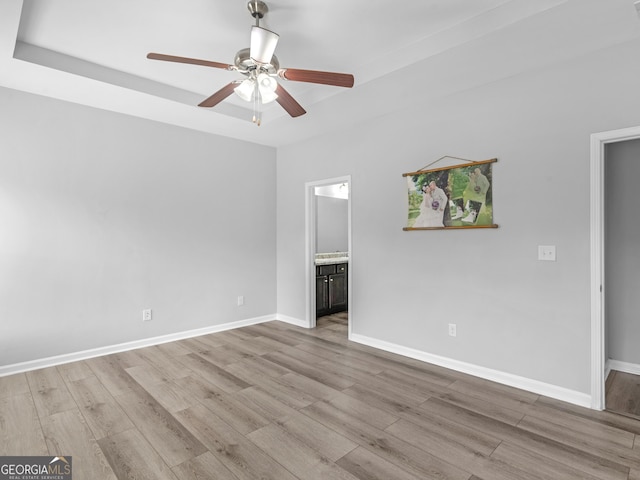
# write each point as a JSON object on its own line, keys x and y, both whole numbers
{"x": 332, "y": 258}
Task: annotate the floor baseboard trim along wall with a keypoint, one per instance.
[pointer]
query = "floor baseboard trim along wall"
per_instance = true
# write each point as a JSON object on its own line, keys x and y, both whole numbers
{"x": 534, "y": 386}
{"x": 623, "y": 367}
{"x": 293, "y": 321}
{"x": 122, "y": 347}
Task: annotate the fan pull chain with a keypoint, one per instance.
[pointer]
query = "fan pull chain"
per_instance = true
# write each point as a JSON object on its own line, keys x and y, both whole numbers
{"x": 257, "y": 101}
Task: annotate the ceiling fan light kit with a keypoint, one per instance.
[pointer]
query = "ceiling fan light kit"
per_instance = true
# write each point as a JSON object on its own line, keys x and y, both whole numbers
{"x": 261, "y": 67}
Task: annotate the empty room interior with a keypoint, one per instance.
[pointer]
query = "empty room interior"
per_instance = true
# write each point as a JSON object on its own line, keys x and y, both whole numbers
{"x": 294, "y": 240}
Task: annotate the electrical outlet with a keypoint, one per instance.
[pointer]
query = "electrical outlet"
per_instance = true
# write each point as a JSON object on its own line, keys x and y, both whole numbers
{"x": 452, "y": 330}
{"x": 240, "y": 300}
{"x": 146, "y": 315}
{"x": 547, "y": 253}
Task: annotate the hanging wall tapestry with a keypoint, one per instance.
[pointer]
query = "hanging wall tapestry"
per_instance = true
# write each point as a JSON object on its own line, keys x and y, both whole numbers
{"x": 455, "y": 197}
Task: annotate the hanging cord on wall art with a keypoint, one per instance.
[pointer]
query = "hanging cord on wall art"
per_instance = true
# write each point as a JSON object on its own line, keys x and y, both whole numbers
{"x": 465, "y": 160}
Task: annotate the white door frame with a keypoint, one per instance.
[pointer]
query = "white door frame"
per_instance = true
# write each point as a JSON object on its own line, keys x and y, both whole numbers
{"x": 598, "y": 362}
{"x": 310, "y": 247}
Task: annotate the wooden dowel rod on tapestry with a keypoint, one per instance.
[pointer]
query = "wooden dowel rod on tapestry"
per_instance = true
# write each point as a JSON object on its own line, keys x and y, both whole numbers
{"x": 462, "y": 227}
{"x": 420, "y": 172}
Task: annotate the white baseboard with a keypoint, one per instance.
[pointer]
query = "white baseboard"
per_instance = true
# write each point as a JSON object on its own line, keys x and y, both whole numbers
{"x": 122, "y": 347}
{"x": 623, "y": 367}
{"x": 535, "y": 386}
{"x": 293, "y": 321}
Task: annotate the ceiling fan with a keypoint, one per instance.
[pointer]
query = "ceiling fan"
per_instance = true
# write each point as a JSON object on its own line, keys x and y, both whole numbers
{"x": 261, "y": 68}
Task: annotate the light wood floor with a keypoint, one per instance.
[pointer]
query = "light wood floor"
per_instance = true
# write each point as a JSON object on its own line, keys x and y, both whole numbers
{"x": 273, "y": 401}
{"x": 623, "y": 393}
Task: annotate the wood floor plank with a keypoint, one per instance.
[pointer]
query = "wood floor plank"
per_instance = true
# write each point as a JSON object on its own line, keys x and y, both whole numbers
{"x": 583, "y": 425}
{"x": 455, "y": 451}
{"x": 315, "y": 435}
{"x": 132, "y": 458}
{"x": 362, "y": 411}
{"x": 213, "y": 340}
{"x": 204, "y": 467}
{"x": 312, "y": 387}
{"x": 591, "y": 464}
{"x": 340, "y": 358}
{"x": 49, "y": 392}
{"x": 252, "y": 370}
{"x": 163, "y": 362}
{"x": 249, "y": 346}
{"x": 171, "y": 396}
{"x": 623, "y": 393}
{"x": 315, "y": 373}
{"x": 111, "y": 372}
{"x": 73, "y": 371}
{"x": 393, "y": 449}
{"x": 236, "y": 452}
{"x": 236, "y": 414}
{"x": 268, "y": 332}
{"x": 427, "y": 385}
{"x": 462, "y": 453}
{"x": 365, "y": 465}
{"x": 541, "y": 467}
{"x": 264, "y": 404}
{"x": 593, "y": 444}
{"x": 167, "y": 435}
{"x": 486, "y": 408}
{"x": 67, "y": 433}
{"x": 384, "y": 397}
{"x": 100, "y": 410}
{"x": 173, "y": 349}
{"x": 12, "y": 385}
{"x": 213, "y": 373}
{"x": 226, "y": 354}
{"x": 448, "y": 431}
{"x": 487, "y": 389}
{"x": 611, "y": 419}
{"x": 295, "y": 456}
{"x": 146, "y": 375}
{"x": 283, "y": 391}
{"x": 20, "y": 430}
{"x": 196, "y": 345}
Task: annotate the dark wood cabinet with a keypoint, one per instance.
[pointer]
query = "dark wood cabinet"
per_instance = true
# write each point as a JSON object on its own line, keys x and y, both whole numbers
{"x": 331, "y": 289}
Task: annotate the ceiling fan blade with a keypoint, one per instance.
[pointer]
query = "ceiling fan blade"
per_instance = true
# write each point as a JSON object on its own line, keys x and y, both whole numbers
{"x": 193, "y": 61}
{"x": 289, "y": 103}
{"x": 219, "y": 96}
{"x": 313, "y": 76}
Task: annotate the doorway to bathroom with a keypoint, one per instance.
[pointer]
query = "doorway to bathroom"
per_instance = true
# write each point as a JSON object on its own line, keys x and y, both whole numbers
{"x": 329, "y": 255}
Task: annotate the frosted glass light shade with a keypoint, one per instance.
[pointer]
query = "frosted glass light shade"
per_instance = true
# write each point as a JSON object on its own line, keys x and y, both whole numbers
{"x": 267, "y": 82}
{"x": 245, "y": 90}
{"x": 263, "y": 44}
{"x": 267, "y": 96}
{"x": 267, "y": 86}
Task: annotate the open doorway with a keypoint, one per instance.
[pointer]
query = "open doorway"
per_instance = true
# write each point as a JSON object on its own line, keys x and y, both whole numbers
{"x": 622, "y": 277}
{"x": 603, "y": 281}
{"x": 329, "y": 254}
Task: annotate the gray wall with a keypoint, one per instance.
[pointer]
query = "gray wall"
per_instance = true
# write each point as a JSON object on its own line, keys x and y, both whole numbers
{"x": 622, "y": 258}
{"x": 103, "y": 215}
{"x": 514, "y": 313}
{"x": 332, "y": 221}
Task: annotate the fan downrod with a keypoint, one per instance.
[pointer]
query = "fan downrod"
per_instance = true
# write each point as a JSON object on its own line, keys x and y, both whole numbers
{"x": 257, "y": 8}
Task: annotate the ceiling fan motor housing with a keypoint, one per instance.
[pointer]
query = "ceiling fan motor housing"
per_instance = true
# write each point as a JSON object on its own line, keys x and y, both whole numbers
{"x": 245, "y": 64}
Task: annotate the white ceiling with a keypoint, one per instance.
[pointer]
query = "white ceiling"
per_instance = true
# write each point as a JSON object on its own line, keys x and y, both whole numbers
{"x": 94, "y": 53}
